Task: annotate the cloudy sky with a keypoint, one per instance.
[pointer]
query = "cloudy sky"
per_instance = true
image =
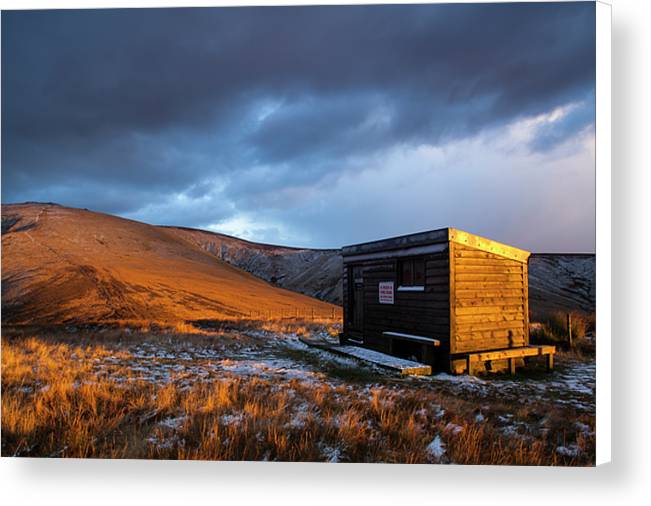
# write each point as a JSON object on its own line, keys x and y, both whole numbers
{"x": 310, "y": 126}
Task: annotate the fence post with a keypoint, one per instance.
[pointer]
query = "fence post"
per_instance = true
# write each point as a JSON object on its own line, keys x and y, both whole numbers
{"x": 569, "y": 331}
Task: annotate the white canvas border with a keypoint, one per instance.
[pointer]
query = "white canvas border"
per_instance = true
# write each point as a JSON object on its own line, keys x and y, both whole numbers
{"x": 147, "y": 481}
{"x": 603, "y": 229}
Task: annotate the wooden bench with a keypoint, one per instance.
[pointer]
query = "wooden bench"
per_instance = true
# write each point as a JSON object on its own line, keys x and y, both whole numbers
{"x": 410, "y": 337}
{"x": 511, "y": 354}
{"x": 427, "y": 344}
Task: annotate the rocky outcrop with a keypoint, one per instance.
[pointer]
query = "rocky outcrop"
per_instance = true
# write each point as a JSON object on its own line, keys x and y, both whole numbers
{"x": 561, "y": 283}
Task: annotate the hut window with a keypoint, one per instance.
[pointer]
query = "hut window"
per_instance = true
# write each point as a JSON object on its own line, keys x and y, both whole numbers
{"x": 412, "y": 272}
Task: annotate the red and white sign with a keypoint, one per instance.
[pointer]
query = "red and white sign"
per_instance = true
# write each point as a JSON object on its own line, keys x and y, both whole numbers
{"x": 386, "y": 292}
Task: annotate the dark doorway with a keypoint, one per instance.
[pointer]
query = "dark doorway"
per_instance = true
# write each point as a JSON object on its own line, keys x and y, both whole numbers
{"x": 356, "y": 283}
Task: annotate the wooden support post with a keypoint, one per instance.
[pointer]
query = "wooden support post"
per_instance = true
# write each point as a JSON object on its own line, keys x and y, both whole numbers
{"x": 550, "y": 361}
{"x": 512, "y": 366}
{"x": 569, "y": 331}
{"x": 469, "y": 365}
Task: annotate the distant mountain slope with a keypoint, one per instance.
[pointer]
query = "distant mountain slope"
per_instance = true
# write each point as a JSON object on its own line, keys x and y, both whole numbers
{"x": 61, "y": 264}
{"x": 561, "y": 282}
{"x": 317, "y": 273}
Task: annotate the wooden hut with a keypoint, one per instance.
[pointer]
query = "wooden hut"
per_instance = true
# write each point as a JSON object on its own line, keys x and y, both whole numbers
{"x": 447, "y": 298}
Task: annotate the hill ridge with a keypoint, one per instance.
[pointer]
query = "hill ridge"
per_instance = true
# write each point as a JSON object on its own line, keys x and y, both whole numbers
{"x": 62, "y": 264}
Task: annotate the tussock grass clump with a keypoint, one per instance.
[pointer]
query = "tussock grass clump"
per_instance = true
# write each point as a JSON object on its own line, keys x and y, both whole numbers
{"x": 582, "y": 324}
{"x": 553, "y": 330}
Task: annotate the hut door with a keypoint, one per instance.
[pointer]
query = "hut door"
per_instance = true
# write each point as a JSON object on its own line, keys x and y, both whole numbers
{"x": 357, "y": 299}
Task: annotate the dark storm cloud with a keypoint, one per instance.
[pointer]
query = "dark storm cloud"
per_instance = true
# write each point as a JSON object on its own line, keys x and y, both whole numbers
{"x": 150, "y": 103}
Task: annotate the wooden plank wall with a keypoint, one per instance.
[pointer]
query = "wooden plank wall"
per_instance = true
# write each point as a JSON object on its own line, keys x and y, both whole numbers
{"x": 421, "y": 313}
{"x": 345, "y": 298}
{"x": 490, "y": 301}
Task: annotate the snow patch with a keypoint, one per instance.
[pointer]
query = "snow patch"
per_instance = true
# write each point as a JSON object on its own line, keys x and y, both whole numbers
{"x": 332, "y": 455}
{"x": 300, "y": 417}
{"x": 172, "y": 422}
{"x": 232, "y": 419}
{"x": 453, "y": 428}
{"x": 568, "y": 451}
{"x": 436, "y": 448}
{"x": 585, "y": 429}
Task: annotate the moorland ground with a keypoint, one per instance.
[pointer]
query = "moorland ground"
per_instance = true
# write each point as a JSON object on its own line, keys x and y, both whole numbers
{"x": 94, "y": 363}
{"x": 253, "y": 391}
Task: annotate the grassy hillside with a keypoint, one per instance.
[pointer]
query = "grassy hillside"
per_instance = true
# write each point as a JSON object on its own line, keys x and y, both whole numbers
{"x": 71, "y": 265}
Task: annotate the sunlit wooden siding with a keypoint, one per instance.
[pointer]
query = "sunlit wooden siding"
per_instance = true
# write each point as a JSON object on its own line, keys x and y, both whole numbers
{"x": 488, "y": 296}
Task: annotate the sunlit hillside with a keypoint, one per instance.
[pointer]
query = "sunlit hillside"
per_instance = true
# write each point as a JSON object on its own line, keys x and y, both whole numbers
{"x": 70, "y": 265}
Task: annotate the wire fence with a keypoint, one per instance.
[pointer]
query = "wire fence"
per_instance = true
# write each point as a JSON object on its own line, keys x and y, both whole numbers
{"x": 296, "y": 313}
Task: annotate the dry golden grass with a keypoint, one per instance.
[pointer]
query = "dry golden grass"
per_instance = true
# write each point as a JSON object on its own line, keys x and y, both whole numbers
{"x": 56, "y": 403}
{"x": 62, "y": 265}
{"x": 553, "y": 330}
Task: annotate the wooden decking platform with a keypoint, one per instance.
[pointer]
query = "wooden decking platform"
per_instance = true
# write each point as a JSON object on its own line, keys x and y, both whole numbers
{"x": 511, "y": 355}
{"x": 396, "y": 364}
